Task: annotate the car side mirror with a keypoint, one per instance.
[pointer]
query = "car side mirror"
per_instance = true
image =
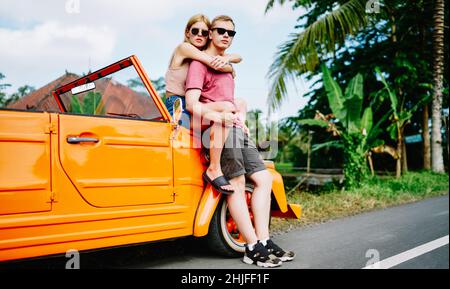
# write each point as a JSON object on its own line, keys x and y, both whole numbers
{"x": 177, "y": 110}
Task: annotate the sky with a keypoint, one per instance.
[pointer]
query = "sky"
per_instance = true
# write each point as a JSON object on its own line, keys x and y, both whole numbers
{"x": 40, "y": 40}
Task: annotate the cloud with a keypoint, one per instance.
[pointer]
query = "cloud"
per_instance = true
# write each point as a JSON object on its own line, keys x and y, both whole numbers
{"x": 40, "y": 39}
{"x": 54, "y": 39}
{"x": 42, "y": 49}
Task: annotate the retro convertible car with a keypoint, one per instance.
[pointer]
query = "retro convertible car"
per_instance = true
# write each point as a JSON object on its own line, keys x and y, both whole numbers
{"x": 111, "y": 167}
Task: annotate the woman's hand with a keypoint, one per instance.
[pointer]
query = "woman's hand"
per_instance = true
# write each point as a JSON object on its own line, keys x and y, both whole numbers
{"x": 219, "y": 62}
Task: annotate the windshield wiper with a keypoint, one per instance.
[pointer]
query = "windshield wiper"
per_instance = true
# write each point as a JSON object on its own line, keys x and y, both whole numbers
{"x": 132, "y": 115}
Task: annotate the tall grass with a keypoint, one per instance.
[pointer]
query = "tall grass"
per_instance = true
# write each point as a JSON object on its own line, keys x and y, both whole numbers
{"x": 376, "y": 193}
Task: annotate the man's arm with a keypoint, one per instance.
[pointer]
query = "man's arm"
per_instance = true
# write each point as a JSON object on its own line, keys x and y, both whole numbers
{"x": 206, "y": 111}
{"x": 195, "y": 81}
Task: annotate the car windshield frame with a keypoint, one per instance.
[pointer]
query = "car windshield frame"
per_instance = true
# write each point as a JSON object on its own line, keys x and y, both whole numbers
{"x": 105, "y": 72}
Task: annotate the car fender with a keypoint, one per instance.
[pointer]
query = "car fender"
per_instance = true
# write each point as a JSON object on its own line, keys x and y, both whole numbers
{"x": 278, "y": 190}
{"x": 210, "y": 199}
{"x": 205, "y": 210}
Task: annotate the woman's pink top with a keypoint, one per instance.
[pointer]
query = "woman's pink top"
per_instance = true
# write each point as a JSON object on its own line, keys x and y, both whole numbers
{"x": 176, "y": 80}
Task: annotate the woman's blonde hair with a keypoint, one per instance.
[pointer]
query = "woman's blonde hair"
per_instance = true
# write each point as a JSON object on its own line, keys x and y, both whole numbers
{"x": 194, "y": 19}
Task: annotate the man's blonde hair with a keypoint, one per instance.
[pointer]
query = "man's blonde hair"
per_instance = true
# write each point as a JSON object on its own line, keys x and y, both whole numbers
{"x": 222, "y": 18}
{"x": 194, "y": 19}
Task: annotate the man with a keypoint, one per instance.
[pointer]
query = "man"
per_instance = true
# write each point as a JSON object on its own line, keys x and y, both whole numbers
{"x": 239, "y": 157}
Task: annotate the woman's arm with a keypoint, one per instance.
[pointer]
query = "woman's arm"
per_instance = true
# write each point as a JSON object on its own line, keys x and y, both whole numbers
{"x": 218, "y": 63}
{"x": 220, "y": 106}
{"x": 234, "y": 58}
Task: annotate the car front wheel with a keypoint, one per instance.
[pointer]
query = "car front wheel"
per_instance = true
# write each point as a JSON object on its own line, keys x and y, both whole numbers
{"x": 223, "y": 237}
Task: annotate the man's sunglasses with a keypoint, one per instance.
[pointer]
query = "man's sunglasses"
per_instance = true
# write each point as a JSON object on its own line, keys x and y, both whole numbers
{"x": 222, "y": 31}
{"x": 195, "y": 31}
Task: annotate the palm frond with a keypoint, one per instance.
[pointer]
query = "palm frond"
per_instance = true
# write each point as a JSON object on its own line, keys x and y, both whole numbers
{"x": 297, "y": 3}
{"x": 334, "y": 143}
{"x": 300, "y": 54}
{"x": 313, "y": 122}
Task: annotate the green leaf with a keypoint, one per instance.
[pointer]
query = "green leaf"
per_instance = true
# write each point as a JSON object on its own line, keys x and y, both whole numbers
{"x": 91, "y": 102}
{"x": 392, "y": 130}
{"x": 376, "y": 143}
{"x": 391, "y": 93}
{"x": 367, "y": 120}
{"x": 355, "y": 87}
{"x": 376, "y": 130}
{"x": 75, "y": 105}
{"x": 333, "y": 143}
{"x": 313, "y": 122}
{"x": 334, "y": 94}
{"x": 353, "y": 103}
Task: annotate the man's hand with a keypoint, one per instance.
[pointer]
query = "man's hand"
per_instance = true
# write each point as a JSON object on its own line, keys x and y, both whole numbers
{"x": 238, "y": 121}
{"x": 246, "y": 130}
{"x": 228, "y": 106}
{"x": 224, "y": 118}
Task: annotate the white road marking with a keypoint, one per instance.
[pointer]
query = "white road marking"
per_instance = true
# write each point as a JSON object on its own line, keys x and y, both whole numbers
{"x": 408, "y": 255}
{"x": 441, "y": 214}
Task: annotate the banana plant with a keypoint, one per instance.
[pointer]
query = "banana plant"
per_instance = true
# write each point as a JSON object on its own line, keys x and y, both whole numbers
{"x": 351, "y": 122}
{"x": 400, "y": 117}
{"x": 92, "y": 104}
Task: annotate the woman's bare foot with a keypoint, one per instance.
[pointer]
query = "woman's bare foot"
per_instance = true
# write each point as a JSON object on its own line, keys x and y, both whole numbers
{"x": 214, "y": 173}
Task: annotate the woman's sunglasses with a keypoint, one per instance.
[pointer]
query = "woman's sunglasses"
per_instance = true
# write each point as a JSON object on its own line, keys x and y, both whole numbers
{"x": 222, "y": 31}
{"x": 195, "y": 31}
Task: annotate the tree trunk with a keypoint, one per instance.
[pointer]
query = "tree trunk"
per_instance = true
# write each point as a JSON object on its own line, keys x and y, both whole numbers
{"x": 400, "y": 152}
{"x": 426, "y": 139}
{"x": 369, "y": 158}
{"x": 308, "y": 164}
{"x": 438, "y": 77}
{"x": 398, "y": 170}
{"x": 404, "y": 158}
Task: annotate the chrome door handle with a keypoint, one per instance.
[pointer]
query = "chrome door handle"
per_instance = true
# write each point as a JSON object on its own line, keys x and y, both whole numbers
{"x": 75, "y": 139}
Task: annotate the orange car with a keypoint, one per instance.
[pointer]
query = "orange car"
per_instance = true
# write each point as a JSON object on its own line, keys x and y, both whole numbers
{"x": 110, "y": 168}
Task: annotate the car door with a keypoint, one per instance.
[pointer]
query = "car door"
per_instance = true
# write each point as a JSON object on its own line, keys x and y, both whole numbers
{"x": 114, "y": 139}
{"x": 121, "y": 162}
{"x": 25, "y": 173}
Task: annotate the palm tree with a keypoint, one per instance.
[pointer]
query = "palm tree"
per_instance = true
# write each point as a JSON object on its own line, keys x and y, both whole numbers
{"x": 300, "y": 53}
{"x": 438, "y": 78}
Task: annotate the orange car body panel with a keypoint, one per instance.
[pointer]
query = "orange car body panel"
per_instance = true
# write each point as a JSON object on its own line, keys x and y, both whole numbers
{"x": 141, "y": 182}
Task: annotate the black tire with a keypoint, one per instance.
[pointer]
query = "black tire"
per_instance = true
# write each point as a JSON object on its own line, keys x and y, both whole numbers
{"x": 219, "y": 239}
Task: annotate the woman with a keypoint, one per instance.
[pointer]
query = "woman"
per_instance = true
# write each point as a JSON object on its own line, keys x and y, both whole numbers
{"x": 195, "y": 40}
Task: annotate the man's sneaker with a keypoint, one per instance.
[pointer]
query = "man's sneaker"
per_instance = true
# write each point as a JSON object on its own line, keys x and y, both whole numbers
{"x": 278, "y": 252}
{"x": 260, "y": 256}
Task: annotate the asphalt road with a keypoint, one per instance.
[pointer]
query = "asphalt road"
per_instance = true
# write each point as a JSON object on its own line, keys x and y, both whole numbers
{"x": 397, "y": 237}
{"x": 345, "y": 243}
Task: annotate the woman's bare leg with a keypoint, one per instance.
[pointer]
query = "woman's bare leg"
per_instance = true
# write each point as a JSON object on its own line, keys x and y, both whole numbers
{"x": 218, "y": 136}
